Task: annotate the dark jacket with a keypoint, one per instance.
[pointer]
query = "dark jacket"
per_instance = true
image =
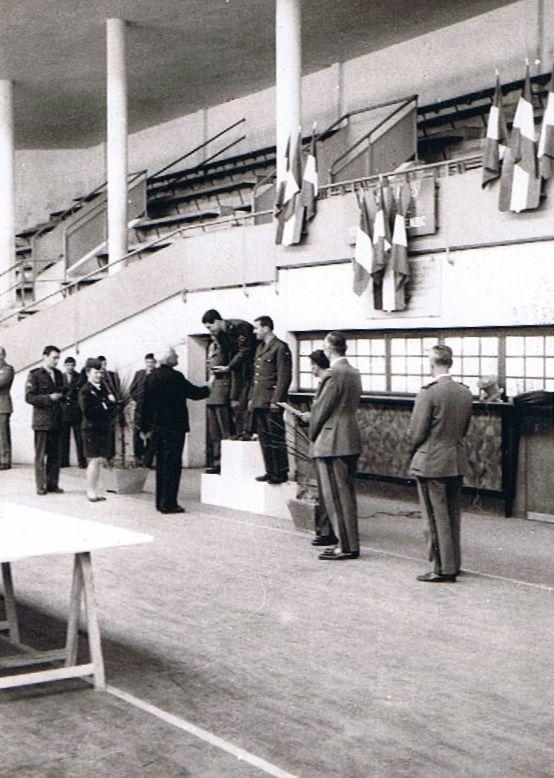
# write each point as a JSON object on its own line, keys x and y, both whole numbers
{"x": 6, "y": 381}
{"x": 334, "y": 429}
{"x": 164, "y": 406}
{"x": 71, "y": 412}
{"x": 239, "y": 343}
{"x": 272, "y": 373}
{"x": 47, "y": 413}
{"x": 439, "y": 422}
{"x": 97, "y": 409}
{"x": 136, "y": 391}
{"x": 111, "y": 381}
{"x": 220, "y": 391}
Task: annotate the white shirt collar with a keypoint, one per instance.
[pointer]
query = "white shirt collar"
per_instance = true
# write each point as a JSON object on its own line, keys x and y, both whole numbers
{"x": 337, "y": 359}
{"x": 442, "y": 375}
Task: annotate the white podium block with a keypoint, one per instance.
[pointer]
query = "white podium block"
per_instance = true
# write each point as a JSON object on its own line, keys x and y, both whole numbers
{"x": 237, "y": 488}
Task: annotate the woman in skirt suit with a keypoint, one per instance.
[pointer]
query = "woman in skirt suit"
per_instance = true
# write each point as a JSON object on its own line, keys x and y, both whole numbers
{"x": 98, "y": 408}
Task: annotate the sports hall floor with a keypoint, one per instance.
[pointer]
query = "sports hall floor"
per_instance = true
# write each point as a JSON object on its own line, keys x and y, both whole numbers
{"x": 232, "y": 651}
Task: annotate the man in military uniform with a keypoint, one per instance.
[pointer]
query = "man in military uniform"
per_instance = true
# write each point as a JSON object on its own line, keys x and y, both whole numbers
{"x": 71, "y": 414}
{"x": 6, "y": 409}
{"x": 272, "y": 377}
{"x": 439, "y": 422}
{"x": 44, "y": 391}
{"x": 237, "y": 340}
{"x": 218, "y": 407}
{"x": 143, "y": 452}
{"x": 336, "y": 446}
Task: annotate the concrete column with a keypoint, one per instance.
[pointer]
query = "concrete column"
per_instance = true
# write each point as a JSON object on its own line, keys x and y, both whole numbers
{"x": 7, "y": 194}
{"x": 116, "y": 146}
{"x": 288, "y": 49}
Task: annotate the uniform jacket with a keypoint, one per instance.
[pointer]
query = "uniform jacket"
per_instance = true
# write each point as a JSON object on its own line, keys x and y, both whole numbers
{"x": 334, "y": 429}
{"x": 6, "y": 381}
{"x": 272, "y": 373}
{"x": 97, "y": 409}
{"x": 136, "y": 391}
{"x": 439, "y": 421}
{"x": 239, "y": 343}
{"x": 71, "y": 412}
{"x": 220, "y": 391}
{"x": 111, "y": 381}
{"x": 47, "y": 413}
{"x": 166, "y": 392}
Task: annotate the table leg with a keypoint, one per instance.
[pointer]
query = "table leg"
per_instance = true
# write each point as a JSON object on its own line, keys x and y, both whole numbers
{"x": 93, "y": 629}
{"x": 9, "y": 602}
{"x": 72, "y": 635}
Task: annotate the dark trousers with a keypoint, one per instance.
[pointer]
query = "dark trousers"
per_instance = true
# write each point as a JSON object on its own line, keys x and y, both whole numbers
{"x": 168, "y": 447}
{"x": 270, "y": 427}
{"x": 5, "y": 440}
{"x": 219, "y": 424}
{"x": 142, "y": 452}
{"x": 440, "y": 500}
{"x": 47, "y": 458}
{"x": 67, "y": 426}
{"x": 240, "y": 413}
{"x": 323, "y": 526}
{"x": 337, "y": 479}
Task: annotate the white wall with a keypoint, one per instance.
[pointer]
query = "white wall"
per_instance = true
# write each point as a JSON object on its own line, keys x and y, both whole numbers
{"x": 441, "y": 64}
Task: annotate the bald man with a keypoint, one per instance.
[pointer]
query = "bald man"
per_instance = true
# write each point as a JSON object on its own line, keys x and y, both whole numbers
{"x": 165, "y": 417}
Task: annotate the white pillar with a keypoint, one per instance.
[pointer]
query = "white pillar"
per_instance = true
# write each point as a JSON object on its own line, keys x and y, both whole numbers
{"x": 116, "y": 146}
{"x": 288, "y": 49}
{"x": 7, "y": 194}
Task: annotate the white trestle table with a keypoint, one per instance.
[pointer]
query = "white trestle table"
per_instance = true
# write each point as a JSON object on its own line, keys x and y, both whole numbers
{"x": 31, "y": 532}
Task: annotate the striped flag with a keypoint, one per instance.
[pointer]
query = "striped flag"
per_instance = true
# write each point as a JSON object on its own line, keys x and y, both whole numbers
{"x": 362, "y": 263}
{"x": 309, "y": 190}
{"x": 519, "y": 182}
{"x": 287, "y": 211}
{"x": 546, "y": 139}
{"x": 381, "y": 243}
{"x": 496, "y": 138}
{"x": 397, "y": 270}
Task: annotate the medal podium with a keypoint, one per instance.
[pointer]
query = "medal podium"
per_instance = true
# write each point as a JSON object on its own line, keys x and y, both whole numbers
{"x": 237, "y": 488}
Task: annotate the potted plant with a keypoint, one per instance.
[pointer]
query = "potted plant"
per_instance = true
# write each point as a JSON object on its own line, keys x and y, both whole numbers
{"x": 303, "y": 509}
{"x": 123, "y": 474}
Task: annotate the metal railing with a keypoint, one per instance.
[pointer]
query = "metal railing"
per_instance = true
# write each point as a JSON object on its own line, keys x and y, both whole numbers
{"x": 395, "y": 116}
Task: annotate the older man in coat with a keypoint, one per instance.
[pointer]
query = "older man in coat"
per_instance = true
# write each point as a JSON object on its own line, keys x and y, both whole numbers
{"x": 6, "y": 408}
{"x": 439, "y": 422}
{"x": 337, "y": 444}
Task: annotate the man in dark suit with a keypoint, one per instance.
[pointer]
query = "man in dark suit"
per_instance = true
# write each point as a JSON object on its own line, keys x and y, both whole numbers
{"x": 6, "y": 409}
{"x": 71, "y": 415}
{"x": 44, "y": 391}
{"x": 439, "y": 422}
{"x": 143, "y": 452}
{"x": 337, "y": 444}
{"x": 237, "y": 341}
{"x": 165, "y": 416}
{"x": 272, "y": 377}
{"x": 218, "y": 407}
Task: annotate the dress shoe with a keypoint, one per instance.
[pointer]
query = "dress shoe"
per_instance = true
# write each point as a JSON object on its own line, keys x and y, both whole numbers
{"x": 333, "y": 554}
{"x": 41, "y": 491}
{"x": 264, "y": 477}
{"x": 55, "y": 490}
{"x": 275, "y": 481}
{"x": 436, "y": 578}
{"x": 213, "y": 471}
{"x": 324, "y": 540}
{"x": 176, "y": 509}
{"x": 96, "y": 499}
{"x": 5, "y": 467}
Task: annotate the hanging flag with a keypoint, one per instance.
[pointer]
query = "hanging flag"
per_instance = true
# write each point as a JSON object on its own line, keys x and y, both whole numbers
{"x": 519, "y": 182}
{"x": 362, "y": 263}
{"x": 381, "y": 243}
{"x": 546, "y": 139}
{"x": 309, "y": 189}
{"x": 496, "y": 138}
{"x": 289, "y": 223}
{"x": 397, "y": 270}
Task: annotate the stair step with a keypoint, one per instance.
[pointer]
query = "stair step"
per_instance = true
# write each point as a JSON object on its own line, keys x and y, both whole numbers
{"x": 23, "y": 250}
{"x": 146, "y": 248}
{"x": 206, "y": 178}
{"x": 179, "y": 218}
{"x": 28, "y": 232}
{"x": 233, "y": 186}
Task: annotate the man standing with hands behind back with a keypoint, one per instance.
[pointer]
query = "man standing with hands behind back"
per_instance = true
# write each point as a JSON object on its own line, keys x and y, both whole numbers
{"x": 44, "y": 391}
{"x": 439, "y": 422}
{"x": 272, "y": 377}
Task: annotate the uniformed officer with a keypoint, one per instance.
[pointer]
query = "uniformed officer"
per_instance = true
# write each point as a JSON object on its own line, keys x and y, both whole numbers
{"x": 44, "y": 391}
{"x": 218, "y": 405}
{"x": 6, "y": 408}
{"x": 71, "y": 414}
{"x": 238, "y": 342}
{"x": 439, "y": 422}
{"x": 272, "y": 377}
{"x": 143, "y": 452}
{"x": 336, "y": 445}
